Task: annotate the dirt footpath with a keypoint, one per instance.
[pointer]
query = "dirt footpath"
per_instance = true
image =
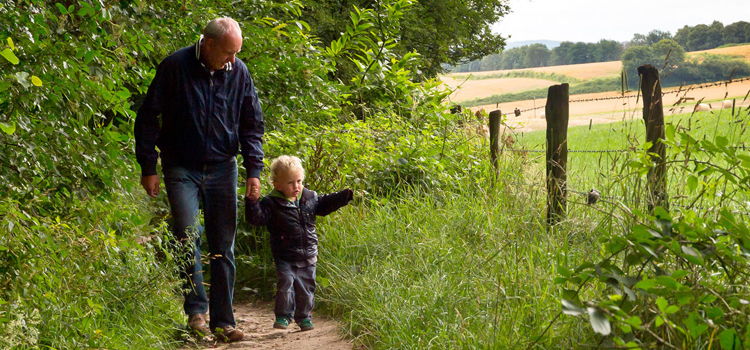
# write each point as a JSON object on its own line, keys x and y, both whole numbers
{"x": 256, "y": 320}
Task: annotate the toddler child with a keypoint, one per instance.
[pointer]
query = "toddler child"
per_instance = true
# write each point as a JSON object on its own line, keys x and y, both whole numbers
{"x": 289, "y": 213}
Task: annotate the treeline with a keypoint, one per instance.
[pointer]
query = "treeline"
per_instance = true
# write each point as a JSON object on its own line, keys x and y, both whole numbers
{"x": 676, "y": 68}
{"x": 705, "y": 37}
{"x": 538, "y": 55}
{"x": 699, "y": 37}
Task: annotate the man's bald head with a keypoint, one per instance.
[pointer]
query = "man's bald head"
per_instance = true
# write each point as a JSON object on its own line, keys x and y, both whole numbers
{"x": 219, "y": 27}
{"x": 223, "y": 40}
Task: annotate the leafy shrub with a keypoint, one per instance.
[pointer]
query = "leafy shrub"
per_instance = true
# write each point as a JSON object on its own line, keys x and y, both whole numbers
{"x": 675, "y": 278}
{"x": 82, "y": 281}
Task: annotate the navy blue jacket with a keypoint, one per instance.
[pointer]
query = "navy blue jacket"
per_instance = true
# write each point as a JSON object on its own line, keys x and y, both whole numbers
{"x": 204, "y": 119}
{"x": 292, "y": 226}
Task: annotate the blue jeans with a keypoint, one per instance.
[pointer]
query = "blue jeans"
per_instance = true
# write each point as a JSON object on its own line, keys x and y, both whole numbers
{"x": 295, "y": 290}
{"x": 214, "y": 187}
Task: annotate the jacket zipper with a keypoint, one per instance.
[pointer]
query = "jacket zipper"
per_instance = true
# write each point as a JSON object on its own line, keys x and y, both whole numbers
{"x": 209, "y": 112}
{"x": 304, "y": 229}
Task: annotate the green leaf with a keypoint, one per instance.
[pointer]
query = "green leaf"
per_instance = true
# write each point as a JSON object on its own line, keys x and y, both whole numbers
{"x": 658, "y": 321}
{"x": 661, "y": 303}
{"x": 634, "y": 321}
{"x": 729, "y": 340}
{"x": 36, "y": 81}
{"x": 693, "y": 255}
{"x": 8, "y": 128}
{"x": 714, "y": 313}
{"x": 692, "y": 182}
{"x": 722, "y": 141}
{"x": 61, "y": 8}
{"x": 646, "y": 284}
{"x": 599, "y": 321}
{"x": 10, "y": 56}
{"x": 10, "y": 43}
{"x": 677, "y": 274}
{"x": 667, "y": 282}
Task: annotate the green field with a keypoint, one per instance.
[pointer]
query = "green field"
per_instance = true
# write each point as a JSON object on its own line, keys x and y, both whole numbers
{"x": 608, "y": 171}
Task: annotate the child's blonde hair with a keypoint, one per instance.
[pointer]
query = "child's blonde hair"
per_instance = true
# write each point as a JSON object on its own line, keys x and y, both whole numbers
{"x": 284, "y": 165}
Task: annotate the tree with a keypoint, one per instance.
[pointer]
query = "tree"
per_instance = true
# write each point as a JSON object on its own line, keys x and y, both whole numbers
{"x": 670, "y": 53}
{"x": 738, "y": 32}
{"x": 682, "y": 35}
{"x": 580, "y": 53}
{"x": 561, "y": 54}
{"x": 656, "y": 36}
{"x": 441, "y": 31}
{"x": 636, "y": 56}
{"x": 536, "y": 55}
{"x": 607, "y": 50}
{"x": 512, "y": 59}
{"x": 698, "y": 39}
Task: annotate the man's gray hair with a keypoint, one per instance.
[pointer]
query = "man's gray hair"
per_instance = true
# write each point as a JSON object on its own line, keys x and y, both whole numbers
{"x": 216, "y": 28}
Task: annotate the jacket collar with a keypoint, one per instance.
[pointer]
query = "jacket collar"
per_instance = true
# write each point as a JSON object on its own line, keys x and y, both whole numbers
{"x": 282, "y": 199}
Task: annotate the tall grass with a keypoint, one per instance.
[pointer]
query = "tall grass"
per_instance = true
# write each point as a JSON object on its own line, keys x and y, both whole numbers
{"x": 465, "y": 267}
{"x": 81, "y": 280}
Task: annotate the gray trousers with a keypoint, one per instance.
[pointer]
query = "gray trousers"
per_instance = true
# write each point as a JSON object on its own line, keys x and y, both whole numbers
{"x": 295, "y": 290}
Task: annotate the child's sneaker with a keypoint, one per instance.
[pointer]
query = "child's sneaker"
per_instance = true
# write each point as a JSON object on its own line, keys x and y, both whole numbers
{"x": 306, "y": 325}
{"x": 281, "y": 323}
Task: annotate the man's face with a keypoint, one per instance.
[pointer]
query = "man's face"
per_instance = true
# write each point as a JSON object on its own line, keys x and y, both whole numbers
{"x": 218, "y": 52}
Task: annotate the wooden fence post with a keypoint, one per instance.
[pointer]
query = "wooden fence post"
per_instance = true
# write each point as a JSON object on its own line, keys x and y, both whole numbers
{"x": 495, "y": 137}
{"x": 653, "y": 116}
{"x": 556, "y": 113}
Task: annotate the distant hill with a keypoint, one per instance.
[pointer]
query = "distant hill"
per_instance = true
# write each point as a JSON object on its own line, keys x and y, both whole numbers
{"x": 551, "y": 44}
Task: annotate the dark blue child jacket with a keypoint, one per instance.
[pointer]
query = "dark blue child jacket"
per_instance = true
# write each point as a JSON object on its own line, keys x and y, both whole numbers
{"x": 205, "y": 118}
{"x": 292, "y": 226}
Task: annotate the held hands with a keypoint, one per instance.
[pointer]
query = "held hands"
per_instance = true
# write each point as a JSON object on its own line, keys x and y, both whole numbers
{"x": 252, "y": 190}
{"x": 150, "y": 183}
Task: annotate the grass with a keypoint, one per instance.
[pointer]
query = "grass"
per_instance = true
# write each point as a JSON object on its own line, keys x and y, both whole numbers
{"x": 80, "y": 280}
{"x": 458, "y": 268}
{"x": 600, "y": 170}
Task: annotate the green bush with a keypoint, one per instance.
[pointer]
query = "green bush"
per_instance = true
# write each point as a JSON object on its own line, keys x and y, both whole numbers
{"x": 82, "y": 280}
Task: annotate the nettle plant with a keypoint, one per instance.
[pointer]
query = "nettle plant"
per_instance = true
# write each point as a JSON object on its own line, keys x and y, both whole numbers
{"x": 678, "y": 277}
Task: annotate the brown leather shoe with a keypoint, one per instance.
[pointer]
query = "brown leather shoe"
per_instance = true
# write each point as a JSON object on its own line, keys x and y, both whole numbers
{"x": 228, "y": 334}
{"x": 198, "y": 325}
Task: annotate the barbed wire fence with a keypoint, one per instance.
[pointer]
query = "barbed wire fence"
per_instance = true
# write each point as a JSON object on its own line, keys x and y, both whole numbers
{"x": 594, "y": 196}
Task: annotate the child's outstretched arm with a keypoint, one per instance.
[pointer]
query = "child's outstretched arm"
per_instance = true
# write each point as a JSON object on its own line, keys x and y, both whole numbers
{"x": 331, "y": 202}
{"x": 256, "y": 213}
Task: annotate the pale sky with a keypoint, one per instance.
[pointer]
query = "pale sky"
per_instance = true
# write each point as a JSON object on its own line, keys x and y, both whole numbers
{"x": 591, "y": 20}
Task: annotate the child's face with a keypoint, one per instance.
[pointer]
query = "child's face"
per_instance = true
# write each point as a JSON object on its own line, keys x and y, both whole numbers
{"x": 289, "y": 183}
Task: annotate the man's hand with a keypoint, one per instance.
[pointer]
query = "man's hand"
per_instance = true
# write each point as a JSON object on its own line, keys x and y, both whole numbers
{"x": 252, "y": 190}
{"x": 150, "y": 183}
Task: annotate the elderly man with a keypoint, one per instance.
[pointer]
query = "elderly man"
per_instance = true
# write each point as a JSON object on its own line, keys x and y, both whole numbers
{"x": 209, "y": 111}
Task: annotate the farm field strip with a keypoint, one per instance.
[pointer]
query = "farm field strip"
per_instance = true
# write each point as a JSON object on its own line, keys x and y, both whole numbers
{"x": 469, "y": 89}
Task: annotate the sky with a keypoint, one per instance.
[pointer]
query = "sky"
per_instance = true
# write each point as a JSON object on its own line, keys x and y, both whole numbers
{"x": 592, "y": 20}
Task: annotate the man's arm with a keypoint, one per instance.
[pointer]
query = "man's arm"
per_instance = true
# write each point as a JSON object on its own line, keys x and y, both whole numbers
{"x": 147, "y": 129}
{"x": 251, "y": 132}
